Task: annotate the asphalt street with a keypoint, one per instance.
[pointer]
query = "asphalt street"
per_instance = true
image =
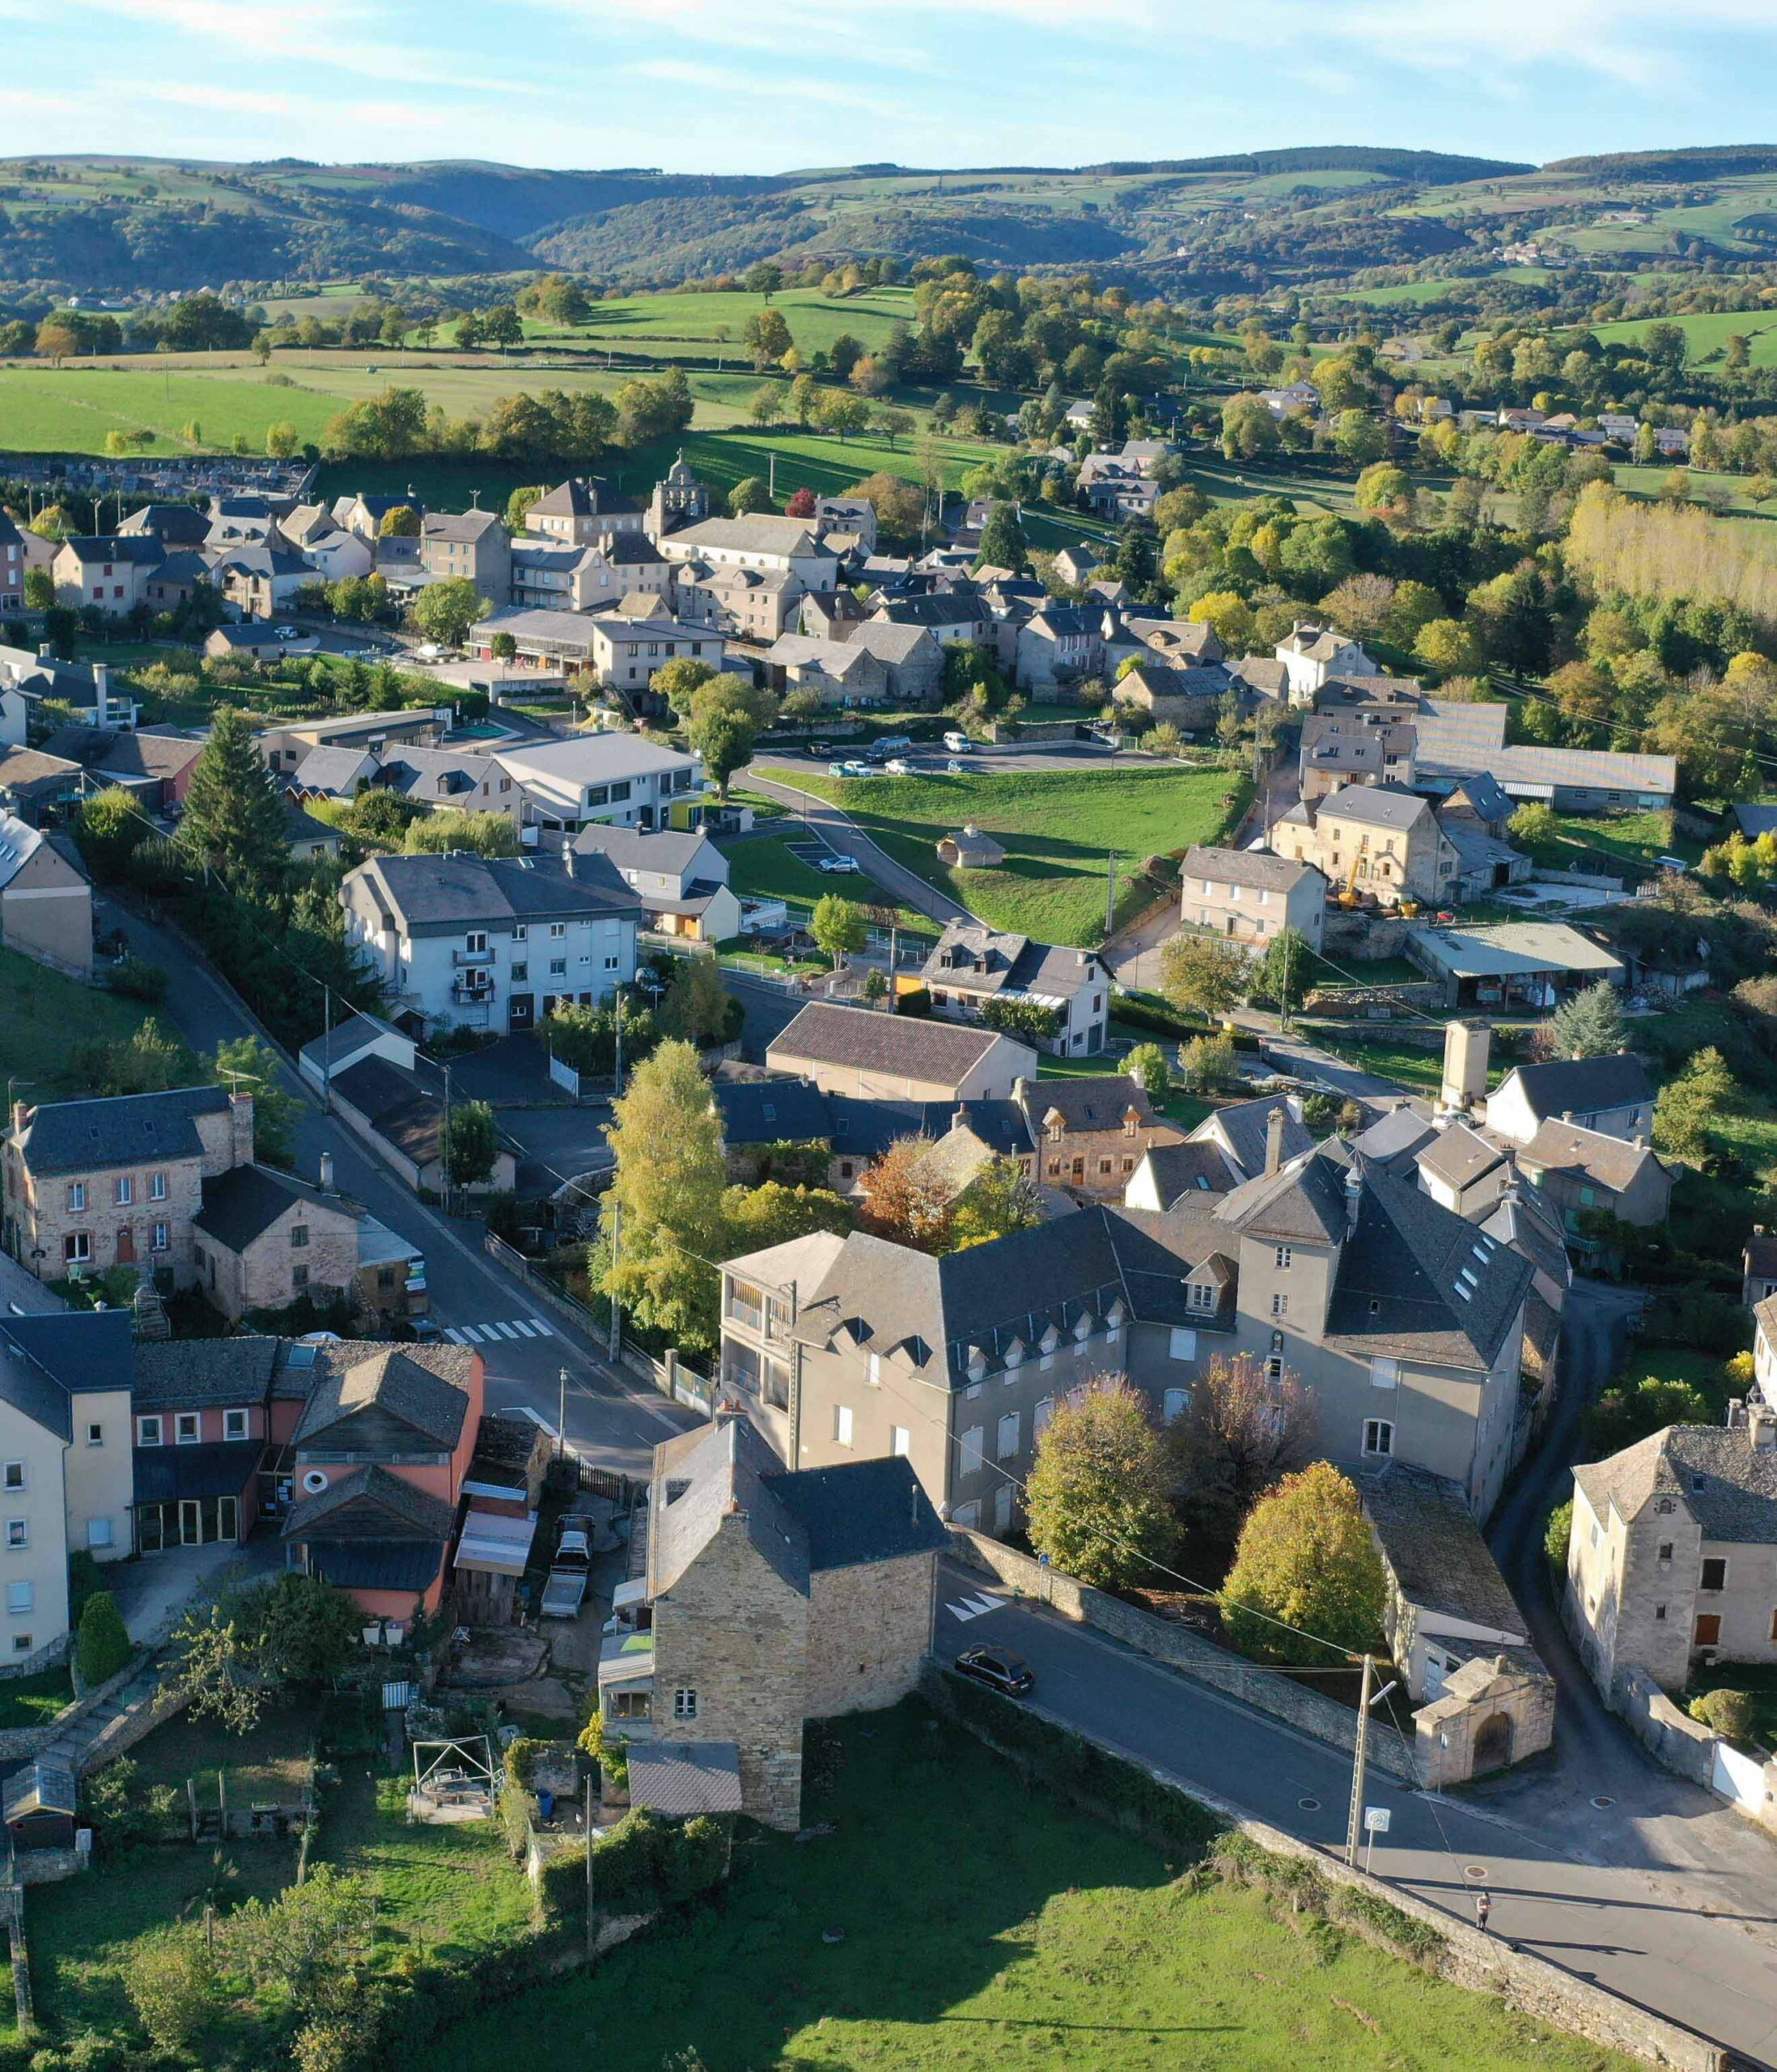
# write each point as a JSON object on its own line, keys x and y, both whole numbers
{"x": 611, "y": 1419}
{"x": 1685, "y": 1939}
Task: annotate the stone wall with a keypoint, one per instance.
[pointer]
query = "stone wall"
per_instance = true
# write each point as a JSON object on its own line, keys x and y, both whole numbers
{"x": 868, "y": 1629}
{"x": 1361, "y": 938}
{"x": 1263, "y": 1689}
{"x": 1450, "y": 1732}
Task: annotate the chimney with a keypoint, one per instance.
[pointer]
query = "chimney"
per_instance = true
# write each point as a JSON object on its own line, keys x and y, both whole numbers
{"x": 101, "y": 688}
{"x": 567, "y": 855}
{"x": 45, "y": 652}
{"x": 21, "y": 1114}
{"x": 1566, "y": 1116}
{"x": 1762, "y": 1423}
{"x": 327, "y": 1172}
{"x": 959, "y": 1119}
{"x": 1273, "y": 1140}
{"x": 1353, "y": 1196}
{"x": 241, "y": 1126}
{"x": 1466, "y": 1046}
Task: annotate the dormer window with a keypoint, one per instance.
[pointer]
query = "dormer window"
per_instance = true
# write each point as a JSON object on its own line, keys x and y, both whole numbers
{"x": 1202, "y": 1295}
{"x": 1015, "y": 1352}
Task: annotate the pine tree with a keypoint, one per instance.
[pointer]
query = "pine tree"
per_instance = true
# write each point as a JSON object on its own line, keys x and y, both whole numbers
{"x": 1003, "y": 542}
{"x": 1588, "y": 1024}
{"x": 233, "y": 818}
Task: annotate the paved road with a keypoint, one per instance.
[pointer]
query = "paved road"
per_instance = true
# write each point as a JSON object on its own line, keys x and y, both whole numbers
{"x": 840, "y": 832}
{"x": 610, "y": 1419}
{"x": 1632, "y": 1920}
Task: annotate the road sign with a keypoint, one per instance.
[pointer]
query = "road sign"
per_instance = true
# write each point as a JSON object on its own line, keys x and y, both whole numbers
{"x": 1375, "y": 1819}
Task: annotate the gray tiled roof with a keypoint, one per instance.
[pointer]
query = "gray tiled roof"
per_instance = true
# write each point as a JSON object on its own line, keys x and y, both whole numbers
{"x": 1247, "y": 1125}
{"x": 868, "y": 1041}
{"x": 243, "y": 1203}
{"x": 1187, "y": 1169}
{"x": 1727, "y": 1485}
{"x": 861, "y": 1511}
{"x": 679, "y": 1779}
{"x": 725, "y": 1463}
{"x": 1585, "y": 1086}
{"x": 193, "y": 1374}
{"x": 407, "y": 1511}
{"x": 1431, "y": 1543}
{"x": 1243, "y": 867}
{"x": 1305, "y": 1198}
{"x": 461, "y": 889}
{"x": 1375, "y": 806}
{"x": 1586, "y": 1155}
{"x": 130, "y": 1129}
{"x": 1097, "y": 1100}
{"x": 398, "y": 1379}
{"x": 1459, "y": 1156}
{"x": 774, "y": 1111}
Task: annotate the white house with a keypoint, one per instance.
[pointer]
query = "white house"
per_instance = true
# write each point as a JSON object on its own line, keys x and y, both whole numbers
{"x": 1311, "y": 654}
{"x": 681, "y": 879}
{"x": 609, "y": 777}
{"x": 491, "y": 943}
{"x": 756, "y": 542}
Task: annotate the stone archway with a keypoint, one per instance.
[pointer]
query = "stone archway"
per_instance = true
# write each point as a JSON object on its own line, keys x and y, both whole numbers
{"x": 1492, "y": 1743}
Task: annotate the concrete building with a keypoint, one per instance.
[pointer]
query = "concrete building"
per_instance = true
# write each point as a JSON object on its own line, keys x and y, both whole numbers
{"x": 1251, "y": 896}
{"x": 466, "y": 545}
{"x": 1374, "y": 838}
{"x": 65, "y": 1469}
{"x": 1612, "y": 1096}
{"x": 1673, "y": 1557}
{"x": 1512, "y": 964}
{"x": 771, "y": 1598}
{"x": 603, "y": 779}
{"x": 852, "y": 1050}
{"x": 681, "y": 879}
{"x": 91, "y": 1185}
{"x": 1359, "y": 748}
{"x": 975, "y": 972}
{"x": 1404, "y": 1321}
{"x": 464, "y": 940}
{"x": 107, "y": 572}
{"x": 284, "y": 748}
{"x": 622, "y": 653}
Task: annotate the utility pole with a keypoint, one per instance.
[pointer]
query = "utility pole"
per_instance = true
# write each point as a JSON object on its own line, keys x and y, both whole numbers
{"x": 1288, "y": 951}
{"x": 1110, "y": 893}
{"x": 1354, "y": 1823}
{"x": 561, "y": 1417}
{"x": 591, "y": 1932}
{"x": 617, "y": 1255}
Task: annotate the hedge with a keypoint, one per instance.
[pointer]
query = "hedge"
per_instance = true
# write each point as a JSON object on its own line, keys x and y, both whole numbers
{"x": 1241, "y": 1860}
{"x": 643, "y": 1864}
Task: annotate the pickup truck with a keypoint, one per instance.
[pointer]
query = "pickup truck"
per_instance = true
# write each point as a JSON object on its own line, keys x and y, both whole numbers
{"x": 566, "y": 1587}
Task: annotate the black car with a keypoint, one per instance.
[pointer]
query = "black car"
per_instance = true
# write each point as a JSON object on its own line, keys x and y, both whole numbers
{"x": 999, "y": 1670}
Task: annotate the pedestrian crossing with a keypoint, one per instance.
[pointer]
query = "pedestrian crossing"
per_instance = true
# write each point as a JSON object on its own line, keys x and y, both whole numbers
{"x": 972, "y": 1607}
{"x": 494, "y": 1334}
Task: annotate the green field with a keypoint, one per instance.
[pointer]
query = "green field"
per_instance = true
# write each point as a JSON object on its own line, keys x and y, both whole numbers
{"x": 1058, "y": 829}
{"x": 1599, "y": 842}
{"x": 702, "y": 325}
{"x": 953, "y": 1919}
{"x": 1708, "y": 334}
{"x": 761, "y": 867}
{"x": 44, "y": 1019}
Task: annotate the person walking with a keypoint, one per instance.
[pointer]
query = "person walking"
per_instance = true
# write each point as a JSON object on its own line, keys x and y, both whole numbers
{"x": 1483, "y": 1908}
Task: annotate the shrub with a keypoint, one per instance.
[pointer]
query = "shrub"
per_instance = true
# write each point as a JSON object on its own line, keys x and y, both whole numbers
{"x": 103, "y": 1646}
{"x": 1728, "y": 1713}
{"x": 139, "y": 980}
{"x": 1558, "y": 1533}
{"x": 172, "y": 1983}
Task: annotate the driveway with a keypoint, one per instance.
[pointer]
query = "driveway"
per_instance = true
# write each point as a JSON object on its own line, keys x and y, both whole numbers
{"x": 1672, "y": 1917}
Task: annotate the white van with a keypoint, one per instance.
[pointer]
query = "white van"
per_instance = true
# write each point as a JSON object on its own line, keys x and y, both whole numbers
{"x": 958, "y": 744}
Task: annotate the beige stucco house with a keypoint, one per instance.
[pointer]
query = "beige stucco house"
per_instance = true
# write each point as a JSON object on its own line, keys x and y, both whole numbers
{"x": 852, "y": 1050}
{"x": 1374, "y": 838}
{"x": 1251, "y": 896}
{"x": 45, "y": 898}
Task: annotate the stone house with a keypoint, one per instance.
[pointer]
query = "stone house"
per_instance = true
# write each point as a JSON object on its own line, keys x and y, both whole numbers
{"x": 65, "y": 1468}
{"x": 263, "y": 1240}
{"x": 752, "y": 604}
{"x": 554, "y": 576}
{"x": 1190, "y": 699}
{"x": 1374, "y": 838}
{"x": 1091, "y": 1133}
{"x": 1310, "y": 654}
{"x": 852, "y": 1050}
{"x": 1361, "y": 748}
{"x": 1057, "y": 646}
{"x": 1673, "y": 1556}
{"x": 772, "y": 1598}
{"x": 91, "y": 1185}
{"x": 1578, "y": 1172}
{"x": 1405, "y": 1321}
{"x": 1250, "y": 895}
{"x": 261, "y": 581}
{"x": 581, "y": 510}
{"x": 378, "y": 1459}
{"x": 972, "y": 968}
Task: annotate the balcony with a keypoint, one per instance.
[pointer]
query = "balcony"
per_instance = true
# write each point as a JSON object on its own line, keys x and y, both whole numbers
{"x": 472, "y": 958}
{"x": 745, "y": 1313}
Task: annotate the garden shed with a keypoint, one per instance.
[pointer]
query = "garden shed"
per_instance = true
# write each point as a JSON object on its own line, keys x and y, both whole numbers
{"x": 39, "y": 1803}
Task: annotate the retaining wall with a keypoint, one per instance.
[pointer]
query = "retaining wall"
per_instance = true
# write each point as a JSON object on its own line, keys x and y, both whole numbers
{"x": 1263, "y": 1689}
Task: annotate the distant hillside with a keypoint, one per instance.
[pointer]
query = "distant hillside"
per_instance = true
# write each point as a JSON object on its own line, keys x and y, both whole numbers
{"x": 1698, "y": 162}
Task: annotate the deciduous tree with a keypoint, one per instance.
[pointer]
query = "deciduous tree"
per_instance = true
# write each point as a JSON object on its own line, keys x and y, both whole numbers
{"x": 1239, "y": 1433}
{"x": 1204, "y": 974}
{"x": 1307, "y": 1581}
{"x": 1097, "y": 1499}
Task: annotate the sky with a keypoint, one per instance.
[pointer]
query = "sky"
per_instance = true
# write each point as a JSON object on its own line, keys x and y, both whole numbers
{"x": 737, "y": 86}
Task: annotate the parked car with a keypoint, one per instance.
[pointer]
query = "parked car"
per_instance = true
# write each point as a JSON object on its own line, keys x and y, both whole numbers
{"x": 427, "y": 1331}
{"x": 853, "y": 768}
{"x": 832, "y": 864}
{"x": 954, "y": 767}
{"x": 998, "y": 1669}
{"x": 956, "y": 743}
{"x": 898, "y": 766}
{"x": 894, "y": 744}
{"x": 287, "y": 633}
{"x": 838, "y": 769}
{"x": 817, "y": 749}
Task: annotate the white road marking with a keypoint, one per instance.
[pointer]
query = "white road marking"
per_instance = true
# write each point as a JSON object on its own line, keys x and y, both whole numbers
{"x": 454, "y": 1335}
{"x": 542, "y": 1328}
{"x": 524, "y": 1329}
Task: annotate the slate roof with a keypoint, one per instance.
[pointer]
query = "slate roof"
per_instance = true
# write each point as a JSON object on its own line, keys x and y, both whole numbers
{"x": 1255, "y": 867}
{"x": 145, "y": 549}
{"x": 82, "y": 1350}
{"x": 772, "y": 1111}
{"x": 44, "y": 1785}
{"x": 1586, "y": 1155}
{"x": 179, "y": 524}
{"x": 203, "y": 1373}
{"x": 243, "y": 1203}
{"x": 863, "y": 1128}
{"x": 409, "y": 1513}
{"x": 1519, "y": 1220}
{"x": 670, "y": 850}
{"x": 1393, "y": 1138}
{"x": 861, "y": 1511}
{"x": 460, "y": 889}
{"x": 584, "y": 496}
{"x": 1432, "y": 1544}
{"x": 336, "y": 771}
{"x": 32, "y": 1390}
{"x": 1459, "y": 1156}
{"x": 1375, "y": 806}
{"x": 1247, "y": 1126}
{"x": 857, "y": 1038}
{"x": 1417, "y": 1282}
{"x": 395, "y": 1378}
{"x": 1096, "y": 1101}
{"x": 759, "y": 533}
{"x": 400, "y": 1564}
{"x": 1585, "y": 1086}
{"x": 346, "y": 1037}
{"x": 129, "y": 1129}
{"x": 27, "y": 773}
{"x": 1013, "y": 964}
{"x": 1187, "y": 1169}
{"x": 1726, "y": 1483}
{"x": 1306, "y": 1198}
{"x": 727, "y": 1463}
{"x": 398, "y": 1105}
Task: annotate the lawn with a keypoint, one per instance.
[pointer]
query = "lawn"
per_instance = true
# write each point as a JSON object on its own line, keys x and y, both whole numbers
{"x": 84, "y": 1932}
{"x": 979, "y": 1927}
{"x": 1601, "y": 843}
{"x": 1184, "y": 1109}
{"x": 29, "y": 1701}
{"x": 1706, "y": 1372}
{"x": 452, "y": 1889}
{"x": 1421, "y": 1070}
{"x": 1759, "y": 1681}
{"x": 44, "y": 1019}
{"x": 1059, "y": 828}
{"x": 270, "y": 1767}
{"x": 760, "y": 867}
{"x": 704, "y": 326}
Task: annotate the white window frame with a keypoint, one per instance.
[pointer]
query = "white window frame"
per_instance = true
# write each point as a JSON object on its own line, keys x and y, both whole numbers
{"x": 77, "y": 1197}
{"x": 95, "y": 1434}
{"x": 246, "y": 1422}
{"x": 12, "y": 1475}
{"x": 974, "y": 1449}
{"x": 1174, "y": 1404}
{"x": 1385, "y": 1374}
{"x": 157, "y": 1187}
{"x": 900, "y": 1442}
{"x": 1282, "y": 1257}
{"x": 1181, "y": 1343}
{"x": 124, "y": 1192}
{"x": 684, "y": 1702}
{"x": 21, "y": 1598}
{"x": 1002, "y": 1450}
{"x": 842, "y": 1425}
{"x": 194, "y": 1437}
{"x": 149, "y": 1429}
{"x": 17, "y": 1532}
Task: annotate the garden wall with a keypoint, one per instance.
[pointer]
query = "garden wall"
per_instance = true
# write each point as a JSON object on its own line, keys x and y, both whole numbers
{"x": 1263, "y": 1689}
